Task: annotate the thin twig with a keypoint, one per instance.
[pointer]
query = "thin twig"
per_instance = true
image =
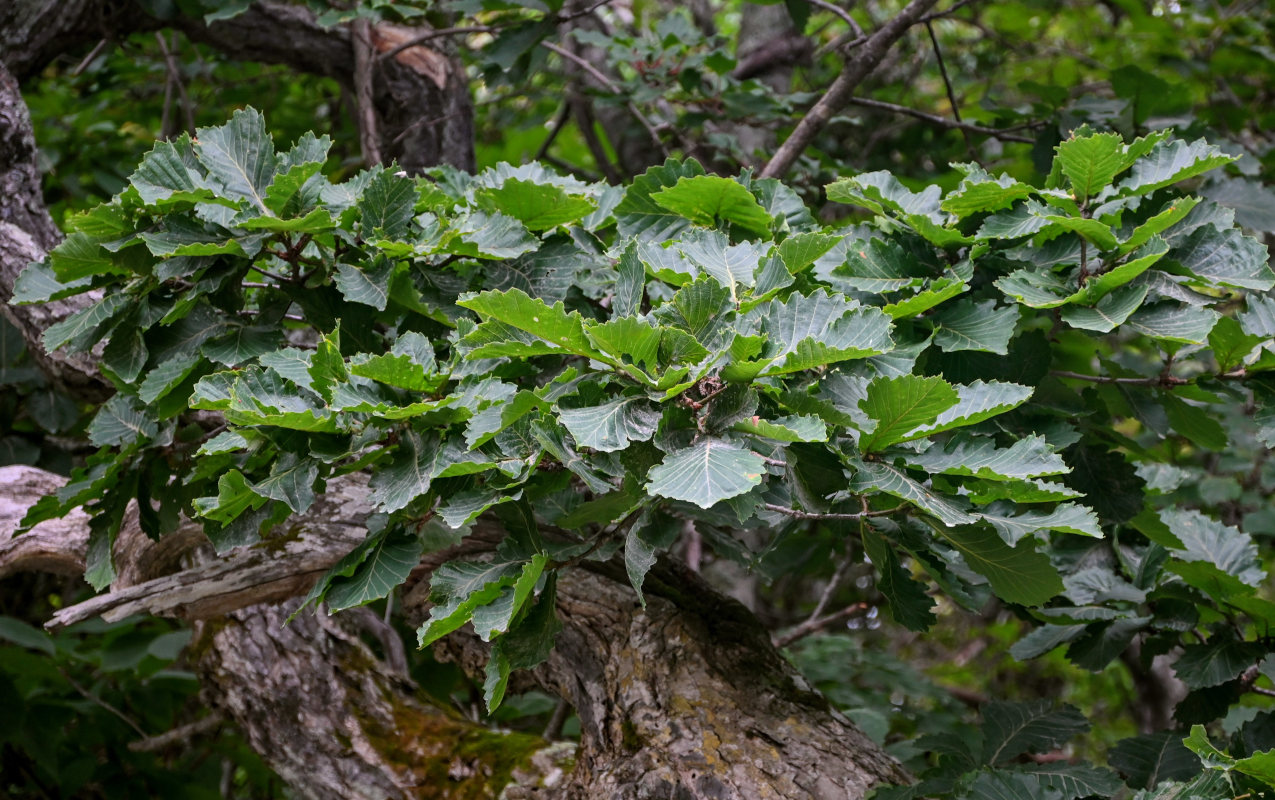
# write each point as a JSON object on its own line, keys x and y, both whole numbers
{"x": 584, "y": 121}
{"x": 941, "y": 14}
{"x": 174, "y": 76}
{"x": 1159, "y": 380}
{"x": 834, "y": 583}
{"x": 840, "y": 12}
{"x": 462, "y": 30}
{"x": 559, "y": 121}
{"x": 611, "y": 86}
{"x": 182, "y": 733}
{"x": 88, "y": 59}
{"x": 434, "y": 34}
{"x": 815, "y": 625}
{"x": 100, "y": 702}
{"x": 997, "y": 133}
{"x": 951, "y": 93}
{"x": 799, "y": 514}
{"x": 553, "y": 730}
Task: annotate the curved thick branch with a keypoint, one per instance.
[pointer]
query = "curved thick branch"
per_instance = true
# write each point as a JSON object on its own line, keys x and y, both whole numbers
{"x": 865, "y": 59}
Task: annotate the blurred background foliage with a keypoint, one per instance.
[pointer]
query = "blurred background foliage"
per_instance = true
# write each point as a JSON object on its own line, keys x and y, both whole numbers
{"x": 681, "y": 79}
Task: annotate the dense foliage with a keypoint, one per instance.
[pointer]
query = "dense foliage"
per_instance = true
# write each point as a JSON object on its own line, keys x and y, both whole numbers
{"x": 608, "y": 364}
{"x": 1041, "y": 390}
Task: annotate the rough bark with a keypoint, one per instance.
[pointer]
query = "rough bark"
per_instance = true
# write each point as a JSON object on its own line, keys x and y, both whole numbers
{"x": 421, "y": 96}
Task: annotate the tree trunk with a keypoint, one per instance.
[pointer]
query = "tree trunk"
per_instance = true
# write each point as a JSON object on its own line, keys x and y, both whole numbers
{"x": 685, "y": 699}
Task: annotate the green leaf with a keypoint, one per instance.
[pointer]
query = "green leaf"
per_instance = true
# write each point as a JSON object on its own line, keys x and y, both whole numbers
{"x": 935, "y": 292}
{"x": 785, "y": 429}
{"x": 613, "y": 425}
{"x": 1225, "y": 258}
{"x": 387, "y": 205}
{"x": 408, "y": 475}
{"x": 550, "y": 323}
{"x": 386, "y": 566}
{"x": 979, "y": 192}
{"x": 1170, "y": 162}
{"x": 538, "y": 206}
{"x": 1108, "y": 313}
{"x": 1095, "y": 232}
{"x": 525, "y": 646}
{"x": 1011, "y": 729}
{"x": 234, "y": 497}
{"x": 241, "y": 344}
{"x": 370, "y": 286}
{"x": 901, "y": 405}
{"x": 1090, "y": 163}
{"x": 327, "y": 367}
{"x": 494, "y": 618}
{"x": 1231, "y": 344}
{"x": 457, "y": 588}
{"x": 168, "y": 172}
{"x": 86, "y": 324}
{"x": 805, "y": 332}
{"x": 1227, "y": 548}
{"x": 121, "y": 421}
{"x": 630, "y": 340}
{"x": 291, "y": 481}
{"x": 652, "y": 533}
{"x": 1174, "y": 323}
{"x": 1198, "y": 425}
{"x": 493, "y": 235}
{"x": 803, "y": 249}
{"x": 730, "y": 265}
{"x": 886, "y": 478}
{"x": 709, "y": 200}
{"x": 20, "y": 633}
{"x": 1220, "y": 660}
{"x": 630, "y": 284}
{"x": 909, "y": 605}
{"x": 1258, "y": 319}
{"x": 1149, "y": 759}
{"x": 1017, "y": 575}
{"x": 708, "y": 471}
{"x": 239, "y": 157}
{"x": 639, "y": 216}
{"x": 167, "y": 376}
{"x": 970, "y": 325}
{"x": 409, "y": 364}
{"x": 38, "y": 284}
{"x": 1030, "y": 457}
{"x": 1066, "y": 517}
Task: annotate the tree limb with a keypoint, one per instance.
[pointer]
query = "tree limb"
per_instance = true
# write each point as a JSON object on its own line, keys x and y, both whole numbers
{"x": 857, "y": 67}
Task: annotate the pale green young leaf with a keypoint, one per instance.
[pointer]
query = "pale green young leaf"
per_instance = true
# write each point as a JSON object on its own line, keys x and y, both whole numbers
{"x": 1091, "y": 162}
{"x": 638, "y": 215}
{"x": 551, "y": 323}
{"x": 538, "y": 206}
{"x": 710, "y": 200}
{"x": 900, "y": 405}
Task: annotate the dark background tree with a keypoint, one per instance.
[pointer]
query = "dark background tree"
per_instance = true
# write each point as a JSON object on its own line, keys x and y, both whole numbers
{"x": 334, "y": 706}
